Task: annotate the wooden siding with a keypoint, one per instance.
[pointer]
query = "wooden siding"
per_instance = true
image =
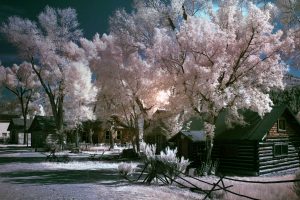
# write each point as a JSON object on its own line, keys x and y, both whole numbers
{"x": 268, "y": 161}
{"x": 194, "y": 151}
{"x": 126, "y": 137}
{"x": 158, "y": 139}
{"x": 238, "y": 157}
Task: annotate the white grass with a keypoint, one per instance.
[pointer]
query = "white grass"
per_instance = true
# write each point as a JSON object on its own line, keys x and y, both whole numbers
{"x": 87, "y": 165}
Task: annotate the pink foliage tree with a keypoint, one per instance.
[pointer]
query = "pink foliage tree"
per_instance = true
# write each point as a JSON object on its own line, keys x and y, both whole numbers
{"x": 226, "y": 60}
{"x": 124, "y": 80}
{"x": 49, "y": 43}
{"x": 23, "y": 83}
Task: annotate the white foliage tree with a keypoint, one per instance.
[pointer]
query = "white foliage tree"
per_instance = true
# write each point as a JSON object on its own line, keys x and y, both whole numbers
{"x": 126, "y": 82}
{"x": 48, "y": 43}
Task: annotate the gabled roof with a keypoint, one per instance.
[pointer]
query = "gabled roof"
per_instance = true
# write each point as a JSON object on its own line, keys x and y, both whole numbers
{"x": 7, "y": 118}
{"x": 195, "y": 123}
{"x": 194, "y": 136}
{"x": 46, "y": 123}
{"x": 18, "y": 123}
{"x": 255, "y": 127}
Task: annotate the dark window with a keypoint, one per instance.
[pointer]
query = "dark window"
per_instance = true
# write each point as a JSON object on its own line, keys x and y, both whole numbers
{"x": 280, "y": 149}
{"x": 107, "y": 135}
{"x": 281, "y": 125}
{"x": 118, "y": 135}
{"x": 4, "y": 134}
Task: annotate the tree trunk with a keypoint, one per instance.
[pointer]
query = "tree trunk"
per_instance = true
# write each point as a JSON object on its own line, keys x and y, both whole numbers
{"x": 137, "y": 141}
{"x": 77, "y": 139}
{"x": 111, "y": 139}
{"x": 90, "y": 136}
{"x": 56, "y": 102}
{"x": 209, "y": 147}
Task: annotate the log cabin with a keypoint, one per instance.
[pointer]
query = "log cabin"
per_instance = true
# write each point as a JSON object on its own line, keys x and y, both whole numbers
{"x": 190, "y": 144}
{"x": 262, "y": 146}
{"x": 16, "y": 129}
{"x": 43, "y": 130}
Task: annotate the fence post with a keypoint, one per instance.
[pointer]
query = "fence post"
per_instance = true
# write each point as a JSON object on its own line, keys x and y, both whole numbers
{"x": 215, "y": 184}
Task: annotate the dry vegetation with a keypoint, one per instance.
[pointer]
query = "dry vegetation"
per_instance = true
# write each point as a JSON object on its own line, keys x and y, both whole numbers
{"x": 279, "y": 191}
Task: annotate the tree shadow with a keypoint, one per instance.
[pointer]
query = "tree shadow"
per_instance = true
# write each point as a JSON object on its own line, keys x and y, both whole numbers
{"x": 7, "y": 160}
{"x": 62, "y": 177}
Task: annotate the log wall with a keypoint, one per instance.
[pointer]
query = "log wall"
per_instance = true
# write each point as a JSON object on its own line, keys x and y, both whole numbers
{"x": 269, "y": 162}
{"x": 236, "y": 157}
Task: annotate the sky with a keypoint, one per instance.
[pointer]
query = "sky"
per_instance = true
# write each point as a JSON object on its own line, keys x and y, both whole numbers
{"x": 93, "y": 17}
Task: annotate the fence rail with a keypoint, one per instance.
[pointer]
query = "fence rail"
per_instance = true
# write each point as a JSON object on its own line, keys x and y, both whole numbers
{"x": 217, "y": 186}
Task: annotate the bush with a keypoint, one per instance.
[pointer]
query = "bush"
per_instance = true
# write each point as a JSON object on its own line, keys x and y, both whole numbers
{"x": 208, "y": 168}
{"x": 173, "y": 165}
{"x": 126, "y": 169}
{"x": 165, "y": 167}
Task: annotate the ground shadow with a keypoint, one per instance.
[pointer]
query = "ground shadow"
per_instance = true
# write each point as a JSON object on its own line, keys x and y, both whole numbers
{"x": 7, "y": 160}
{"x": 62, "y": 176}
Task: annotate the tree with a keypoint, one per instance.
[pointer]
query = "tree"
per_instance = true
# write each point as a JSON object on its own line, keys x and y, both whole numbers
{"x": 46, "y": 43}
{"x": 289, "y": 96}
{"x": 81, "y": 96}
{"x": 22, "y": 82}
{"x": 124, "y": 80}
{"x": 289, "y": 16}
{"x": 227, "y": 60}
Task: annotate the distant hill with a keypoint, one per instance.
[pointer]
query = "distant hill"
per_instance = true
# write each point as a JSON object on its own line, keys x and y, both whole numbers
{"x": 291, "y": 80}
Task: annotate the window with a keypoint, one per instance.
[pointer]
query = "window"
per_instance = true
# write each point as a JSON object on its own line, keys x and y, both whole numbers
{"x": 118, "y": 135}
{"x": 107, "y": 135}
{"x": 281, "y": 125}
{"x": 4, "y": 134}
{"x": 280, "y": 149}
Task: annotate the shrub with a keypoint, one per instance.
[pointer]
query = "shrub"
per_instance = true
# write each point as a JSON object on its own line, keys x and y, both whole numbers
{"x": 165, "y": 167}
{"x": 208, "y": 168}
{"x": 173, "y": 165}
{"x": 126, "y": 169}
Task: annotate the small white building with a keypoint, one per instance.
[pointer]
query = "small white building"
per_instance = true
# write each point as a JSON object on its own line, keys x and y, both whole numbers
{"x": 4, "y": 123}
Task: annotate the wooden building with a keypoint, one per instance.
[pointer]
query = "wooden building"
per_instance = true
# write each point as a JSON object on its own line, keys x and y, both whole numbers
{"x": 4, "y": 123}
{"x": 16, "y": 129}
{"x": 190, "y": 144}
{"x": 260, "y": 146}
{"x": 157, "y": 136}
{"x": 42, "y": 131}
{"x": 98, "y": 132}
{"x": 264, "y": 145}
{"x": 122, "y": 136}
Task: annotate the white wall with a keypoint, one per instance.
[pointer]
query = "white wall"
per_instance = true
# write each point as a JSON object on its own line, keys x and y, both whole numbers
{"x": 3, "y": 129}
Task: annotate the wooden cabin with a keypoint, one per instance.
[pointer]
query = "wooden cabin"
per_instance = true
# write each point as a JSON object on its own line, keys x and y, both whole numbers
{"x": 98, "y": 132}
{"x": 16, "y": 129}
{"x": 264, "y": 145}
{"x": 43, "y": 130}
{"x": 190, "y": 144}
{"x": 123, "y": 136}
{"x": 157, "y": 136}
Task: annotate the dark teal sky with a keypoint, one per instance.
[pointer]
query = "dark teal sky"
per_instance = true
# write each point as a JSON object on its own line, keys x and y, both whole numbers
{"x": 93, "y": 16}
